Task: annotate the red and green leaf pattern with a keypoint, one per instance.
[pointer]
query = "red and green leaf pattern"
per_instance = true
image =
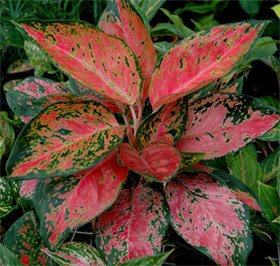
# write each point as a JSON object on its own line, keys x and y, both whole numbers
{"x": 221, "y": 123}
{"x": 167, "y": 125}
{"x": 158, "y": 161}
{"x": 121, "y": 20}
{"x": 76, "y": 253}
{"x": 101, "y": 62}
{"x": 209, "y": 217}
{"x": 65, "y": 203}
{"x": 134, "y": 226}
{"x": 27, "y": 189}
{"x": 200, "y": 59}
{"x": 64, "y": 139}
{"x": 24, "y": 241}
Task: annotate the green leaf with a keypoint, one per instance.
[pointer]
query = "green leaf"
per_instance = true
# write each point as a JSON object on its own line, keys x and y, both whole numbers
{"x": 20, "y": 66}
{"x": 165, "y": 29}
{"x": 244, "y": 166}
{"x": 277, "y": 220}
{"x": 6, "y": 198}
{"x": 276, "y": 9}
{"x": 7, "y": 257}
{"x": 251, "y": 7}
{"x": 270, "y": 166}
{"x": 149, "y": 260}
{"x": 63, "y": 139}
{"x": 272, "y": 134}
{"x": 7, "y": 134}
{"x": 274, "y": 63}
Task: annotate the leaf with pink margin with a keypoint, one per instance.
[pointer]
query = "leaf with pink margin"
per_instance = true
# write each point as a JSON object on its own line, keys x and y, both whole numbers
{"x": 199, "y": 60}
{"x": 221, "y": 123}
{"x": 167, "y": 125}
{"x": 65, "y": 203}
{"x": 158, "y": 161}
{"x": 27, "y": 188}
{"x": 121, "y": 19}
{"x": 101, "y": 62}
{"x": 63, "y": 139}
{"x": 133, "y": 227}
{"x": 24, "y": 241}
{"x": 208, "y": 216}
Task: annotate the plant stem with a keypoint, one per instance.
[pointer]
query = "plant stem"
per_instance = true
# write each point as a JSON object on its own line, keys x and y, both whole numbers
{"x": 135, "y": 122}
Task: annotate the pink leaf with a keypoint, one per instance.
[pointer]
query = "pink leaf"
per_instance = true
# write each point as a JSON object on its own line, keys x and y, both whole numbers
{"x": 158, "y": 161}
{"x": 134, "y": 226}
{"x": 200, "y": 59}
{"x": 209, "y": 217}
{"x": 27, "y": 188}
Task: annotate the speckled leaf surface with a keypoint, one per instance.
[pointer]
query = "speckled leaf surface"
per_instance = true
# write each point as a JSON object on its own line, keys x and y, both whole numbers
{"x": 64, "y": 139}
{"x": 134, "y": 226}
{"x": 27, "y": 189}
{"x": 158, "y": 161}
{"x": 120, "y": 19}
{"x": 167, "y": 125}
{"x": 209, "y": 217}
{"x": 64, "y": 203}
{"x": 6, "y": 198}
{"x": 7, "y": 257}
{"x": 24, "y": 241}
{"x": 200, "y": 59}
{"x": 221, "y": 123}
{"x": 19, "y": 67}
{"x": 76, "y": 253}
{"x": 101, "y": 62}
{"x": 190, "y": 159}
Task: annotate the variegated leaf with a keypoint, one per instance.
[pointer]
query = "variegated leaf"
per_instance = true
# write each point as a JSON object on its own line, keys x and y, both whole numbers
{"x": 221, "y": 123}
{"x": 271, "y": 166}
{"x": 209, "y": 217}
{"x": 189, "y": 159}
{"x": 27, "y": 189}
{"x": 200, "y": 59}
{"x": 19, "y": 67}
{"x": 134, "y": 226}
{"x": 7, "y": 257}
{"x": 6, "y": 198}
{"x": 7, "y": 134}
{"x": 158, "y": 161}
{"x": 63, "y": 139}
{"x": 167, "y": 125}
{"x": 120, "y": 19}
{"x": 24, "y": 241}
{"x": 101, "y": 62}
{"x": 64, "y": 203}
{"x": 75, "y": 253}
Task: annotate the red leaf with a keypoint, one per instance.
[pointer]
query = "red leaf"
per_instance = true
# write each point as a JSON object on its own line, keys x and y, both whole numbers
{"x": 134, "y": 226}
{"x": 158, "y": 161}
{"x": 209, "y": 217}
{"x": 220, "y": 123}
{"x": 121, "y": 20}
{"x": 101, "y": 62}
{"x": 64, "y": 203}
{"x": 27, "y": 188}
{"x": 200, "y": 59}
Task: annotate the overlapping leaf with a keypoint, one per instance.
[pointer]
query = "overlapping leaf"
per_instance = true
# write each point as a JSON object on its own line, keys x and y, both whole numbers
{"x": 75, "y": 253}
{"x": 167, "y": 125}
{"x": 158, "y": 161}
{"x": 27, "y": 189}
{"x": 270, "y": 166}
{"x": 134, "y": 227}
{"x": 121, "y": 20}
{"x": 64, "y": 139}
{"x": 221, "y": 123}
{"x": 7, "y": 134}
{"x": 101, "y": 62}
{"x": 19, "y": 67}
{"x": 149, "y": 7}
{"x": 209, "y": 217}
{"x": 24, "y": 241}
{"x": 64, "y": 203}
{"x": 6, "y": 198}
{"x": 199, "y": 60}
{"x": 7, "y": 257}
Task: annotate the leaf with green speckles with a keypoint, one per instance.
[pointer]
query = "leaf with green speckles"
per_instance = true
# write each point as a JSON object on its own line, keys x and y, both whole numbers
{"x": 271, "y": 166}
{"x": 76, "y": 253}
{"x": 99, "y": 61}
{"x": 167, "y": 125}
{"x": 63, "y": 139}
{"x": 27, "y": 189}
{"x": 133, "y": 227}
{"x": 19, "y": 67}
{"x": 208, "y": 216}
{"x": 199, "y": 60}
{"x": 7, "y": 257}
{"x": 65, "y": 203}
{"x": 121, "y": 20}
{"x": 189, "y": 159}
{"x": 24, "y": 241}
{"x": 7, "y": 203}
{"x": 221, "y": 123}
{"x": 7, "y": 134}
{"x": 158, "y": 161}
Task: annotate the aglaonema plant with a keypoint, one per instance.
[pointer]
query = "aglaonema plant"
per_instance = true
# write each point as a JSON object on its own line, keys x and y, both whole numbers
{"x": 122, "y": 144}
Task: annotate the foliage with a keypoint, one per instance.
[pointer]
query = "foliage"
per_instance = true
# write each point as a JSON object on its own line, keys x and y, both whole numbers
{"x": 125, "y": 135}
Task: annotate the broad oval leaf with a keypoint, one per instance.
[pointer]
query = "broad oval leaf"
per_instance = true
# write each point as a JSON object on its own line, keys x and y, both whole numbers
{"x": 167, "y": 125}
{"x": 158, "y": 161}
{"x": 75, "y": 253}
{"x": 65, "y": 203}
{"x": 24, "y": 241}
{"x": 221, "y": 123}
{"x": 101, "y": 62}
{"x": 200, "y": 59}
{"x": 63, "y": 139}
{"x": 134, "y": 226}
{"x": 209, "y": 217}
{"x": 120, "y": 19}
{"x": 6, "y": 198}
